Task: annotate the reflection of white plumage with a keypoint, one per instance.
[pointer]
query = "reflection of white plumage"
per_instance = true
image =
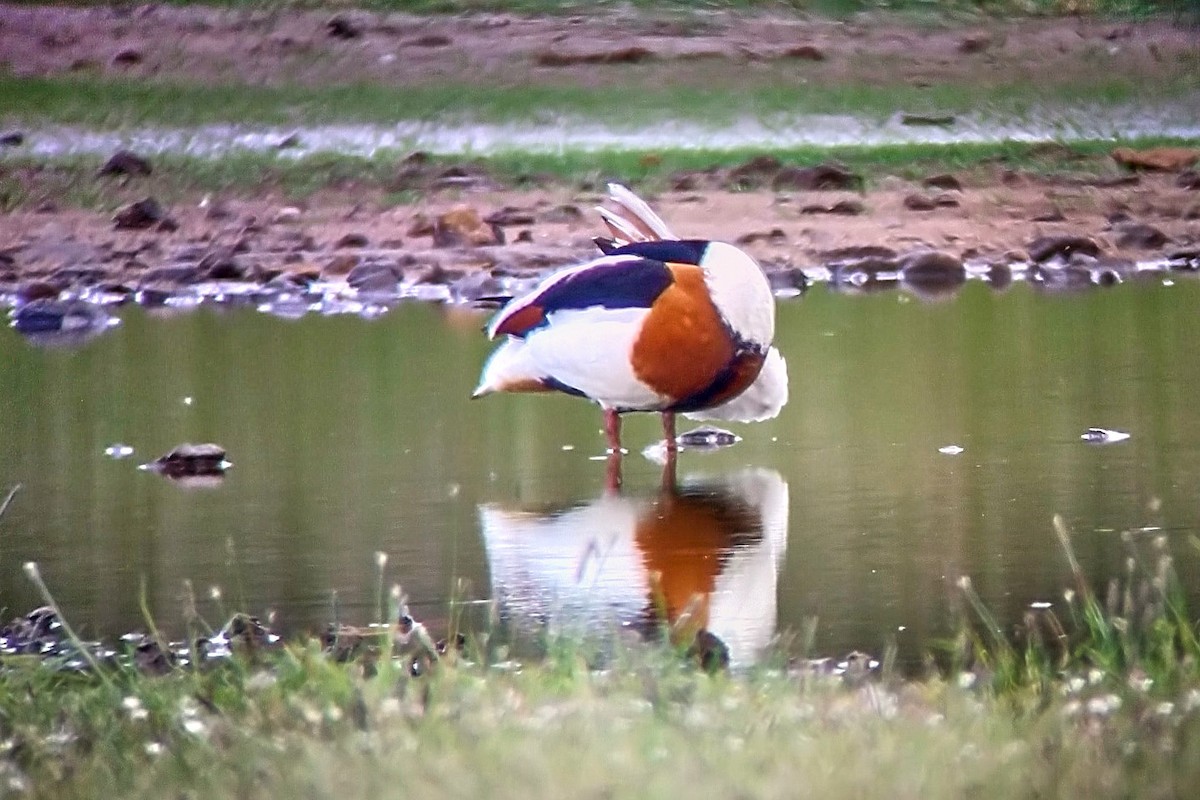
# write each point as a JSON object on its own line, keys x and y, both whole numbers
{"x": 656, "y": 324}
{"x": 711, "y": 549}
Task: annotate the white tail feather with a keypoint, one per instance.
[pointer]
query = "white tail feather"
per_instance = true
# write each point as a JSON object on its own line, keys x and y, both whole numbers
{"x": 634, "y": 221}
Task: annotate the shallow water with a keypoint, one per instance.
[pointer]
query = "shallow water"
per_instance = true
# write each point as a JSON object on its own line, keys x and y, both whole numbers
{"x": 351, "y": 436}
{"x": 1177, "y": 118}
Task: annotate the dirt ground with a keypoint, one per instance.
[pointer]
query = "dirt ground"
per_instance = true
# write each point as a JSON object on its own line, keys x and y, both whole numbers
{"x": 991, "y": 215}
{"x": 205, "y": 44}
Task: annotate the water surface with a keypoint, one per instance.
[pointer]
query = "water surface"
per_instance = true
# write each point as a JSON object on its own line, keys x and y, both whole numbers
{"x": 353, "y": 436}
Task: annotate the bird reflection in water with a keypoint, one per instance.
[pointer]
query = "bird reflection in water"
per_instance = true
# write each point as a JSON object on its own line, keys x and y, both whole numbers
{"x": 702, "y": 555}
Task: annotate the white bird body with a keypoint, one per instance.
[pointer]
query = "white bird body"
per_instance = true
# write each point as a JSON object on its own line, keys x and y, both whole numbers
{"x": 656, "y": 324}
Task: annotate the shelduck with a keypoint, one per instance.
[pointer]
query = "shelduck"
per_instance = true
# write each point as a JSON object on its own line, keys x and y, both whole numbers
{"x": 657, "y": 323}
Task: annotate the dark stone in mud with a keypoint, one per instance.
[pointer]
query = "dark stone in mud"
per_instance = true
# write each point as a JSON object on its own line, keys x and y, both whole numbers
{"x": 818, "y": 178}
{"x": 944, "y": 181}
{"x": 222, "y": 266}
{"x": 35, "y": 633}
{"x": 144, "y": 214}
{"x": 924, "y": 202}
{"x": 431, "y": 40}
{"x": 1184, "y": 259}
{"x": 709, "y": 652}
{"x": 128, "y": 57}
{"x": 787, "y": 279}
{"x": 477, "y": 286}
{"x": 1140, "y": 236}
{"x": 805, "y": 52}
{"x": 374, "y": 278}
{"x": 1066, "y": 277}
{"x": 843, "y": 207}
{"x": 1189, "y": 179}
{"x": 1053, "y": 215}
{"x": 618, "y": 55}
{"x": 975, "y": 43}
{"x": 38, "y": 290}
{"x": 774, "y": 236}
{"x": 340, "y": 26}
{"x": 191, "y": 460}
{"x": 125, "y": 162}
{"x": 707, "y": 436}
{"x": 81, "y": 275}
{"x": 1044, "y": 248}
{"x": 353, "y": 239}
{"x": 461, "y": 226}
{"x": 565, "y": 214}
{"x": 52, "y": 321}
{"x": 999, "y": 276}
{"x": 151, "y": 658}
{"x": 933, "y": 269}
{"x": 177, "y": 274}
{"x": 510, "y": 215}
{"x": 927, "y": 121}
{"x": 12, "y": 139}
{"x": 859, "y": 252}
{"x": 753, "y": 171}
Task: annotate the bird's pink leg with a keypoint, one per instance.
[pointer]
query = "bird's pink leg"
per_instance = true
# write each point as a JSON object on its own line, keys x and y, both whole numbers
{"x": 668, "y": 476}
{"x": 612, "y": 429}
{"x": 668, "y": 422}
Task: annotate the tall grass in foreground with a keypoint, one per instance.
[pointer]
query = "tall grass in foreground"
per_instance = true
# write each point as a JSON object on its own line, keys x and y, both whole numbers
{"x": 1102, "y": 700}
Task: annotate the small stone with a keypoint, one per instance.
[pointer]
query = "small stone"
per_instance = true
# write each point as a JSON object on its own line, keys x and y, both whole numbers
{"x": 191, "y": 460}
{"x": 974, "y": 43}
{"x": 352, "y": 239}
{"x": 288, "y": 142}
{"x": 932, "y": 268}
{"x": 143, "y": 214}
{"x": 1188, "y": 179}
{"x": 821, "y": 177}
{"x": 431, "y": 40}
{"x": 773, "y": 236}
{"x": 707, "y": 436}
{"x": 509, "y": 215}
{"x": 565, "y": 214}
{"x": 1139, "y": 236}
{"x": 340, "y": 264}
{"x": 288, "y": 215}
{"x": 619, "y": 55}
{"x": 125, "y": 162}
{"x": 128, "y": 57}
{"x": 805, "y": 52}
{"x": 919, "y": 202}
{"x": 374, "y": 278}
{"x": 1053, "y": 215}
{"x": 944, "y": 181}
{"x": 1044, "y": 248}
{"x": 12, "y": 139}
{"x": 1103, "y": 436}
{"x": 842, "y": 207}
{"x": 341, "y": 26}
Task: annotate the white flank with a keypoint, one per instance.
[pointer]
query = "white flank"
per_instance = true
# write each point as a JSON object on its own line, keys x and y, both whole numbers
{"x": 590, "y": 351}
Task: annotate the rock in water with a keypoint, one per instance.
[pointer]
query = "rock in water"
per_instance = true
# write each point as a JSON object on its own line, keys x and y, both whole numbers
{"x": 191, "y": 460}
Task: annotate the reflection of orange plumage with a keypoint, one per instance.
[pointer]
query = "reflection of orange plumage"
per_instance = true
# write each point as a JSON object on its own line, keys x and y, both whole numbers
{"x": 684, "y": 541}
{"x": 704, "y": 555}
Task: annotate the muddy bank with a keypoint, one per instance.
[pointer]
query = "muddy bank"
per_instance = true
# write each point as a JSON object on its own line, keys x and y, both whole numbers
{"x": 344, "y": 251}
